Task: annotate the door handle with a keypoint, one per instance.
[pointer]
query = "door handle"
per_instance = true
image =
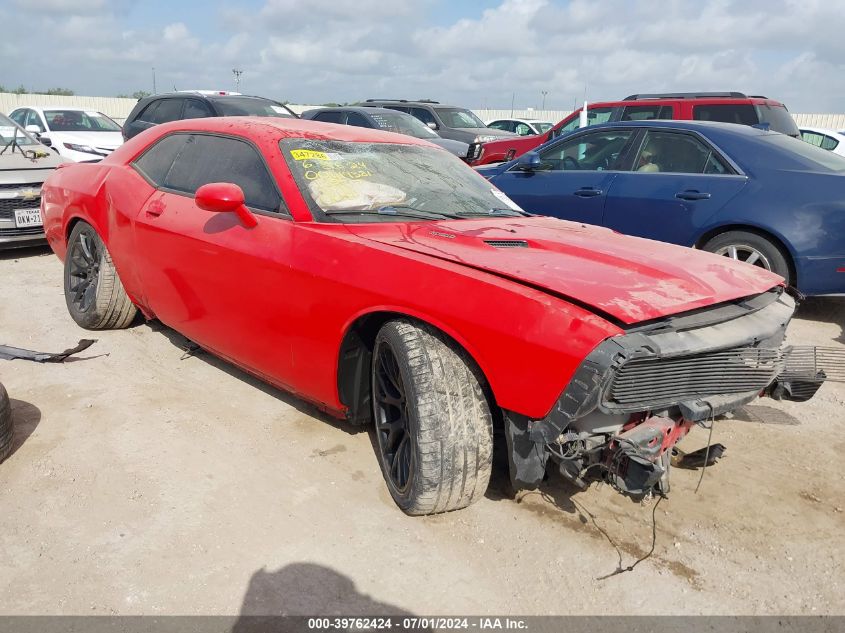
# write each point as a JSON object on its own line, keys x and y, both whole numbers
{"x": 155, "y": 208}
{"x": 692, "y": 194}
{"x": 588, "y": 192}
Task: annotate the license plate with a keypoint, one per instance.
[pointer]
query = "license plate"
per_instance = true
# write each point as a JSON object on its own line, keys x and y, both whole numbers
{"x": 27, "y": 217}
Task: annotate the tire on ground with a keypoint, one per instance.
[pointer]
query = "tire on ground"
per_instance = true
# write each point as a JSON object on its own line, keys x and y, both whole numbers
{"x": 449, "y": 418}
{"x": 6, "y": 431}
{"x": 778, "y": 259}
{"x": 112, "y": 309}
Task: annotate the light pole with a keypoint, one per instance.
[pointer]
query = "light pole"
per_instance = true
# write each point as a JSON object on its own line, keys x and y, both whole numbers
{"x": 544, "y": 93}
{"x": 237, "y": 73}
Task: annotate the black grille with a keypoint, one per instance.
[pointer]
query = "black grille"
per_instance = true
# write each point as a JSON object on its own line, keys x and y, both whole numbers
{"x": 507, "y": 243}
{"x": 27, "y": 230}
{"x": 8, "y": 206}
{"x": 812, "y": 363}
{"x": 21, "y": 185}
{"x": 654, "y": 382}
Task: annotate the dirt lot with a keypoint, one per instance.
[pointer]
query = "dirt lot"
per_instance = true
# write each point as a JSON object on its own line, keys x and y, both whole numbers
{"x": 143, "y": 482}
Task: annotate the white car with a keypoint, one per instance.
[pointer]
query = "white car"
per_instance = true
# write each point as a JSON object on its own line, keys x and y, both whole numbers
{"x": 826, "y": 139}
{"x": 523, "y": 127}
{"x": 74, "y": 133}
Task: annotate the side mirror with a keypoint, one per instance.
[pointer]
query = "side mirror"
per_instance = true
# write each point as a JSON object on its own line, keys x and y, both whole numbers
{"x": 432, "y": 125}
{"x": 225, "y": 197}
{"x": 34, "y": 129}
{"x": 530, "y": 161}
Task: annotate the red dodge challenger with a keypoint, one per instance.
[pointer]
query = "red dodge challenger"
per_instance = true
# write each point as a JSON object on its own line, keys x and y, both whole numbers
{"x": 382, "y": 279}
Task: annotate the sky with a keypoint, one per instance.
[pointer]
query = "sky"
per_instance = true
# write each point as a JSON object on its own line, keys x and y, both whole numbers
{"x": 474, "y": 54}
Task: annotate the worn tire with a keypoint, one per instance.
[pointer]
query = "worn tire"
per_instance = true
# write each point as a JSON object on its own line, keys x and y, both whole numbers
{"x": 778, "y": 260}
{"x": 6, "y": 430}
{"x": 110, "y": 307}
{"x": 448, "y": 420}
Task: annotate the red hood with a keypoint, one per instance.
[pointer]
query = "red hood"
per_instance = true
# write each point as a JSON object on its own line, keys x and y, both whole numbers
{"x": 630, "y": 278}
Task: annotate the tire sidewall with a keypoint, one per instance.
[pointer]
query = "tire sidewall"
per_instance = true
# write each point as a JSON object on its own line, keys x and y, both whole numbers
{"x": 404, "y": 499}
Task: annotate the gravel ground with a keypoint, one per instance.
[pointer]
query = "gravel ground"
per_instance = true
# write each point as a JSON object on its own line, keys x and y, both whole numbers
{"x": 146, "y": 482}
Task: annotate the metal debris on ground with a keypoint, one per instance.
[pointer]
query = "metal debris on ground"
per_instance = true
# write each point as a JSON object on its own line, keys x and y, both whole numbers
{"x": 8, "y": 352}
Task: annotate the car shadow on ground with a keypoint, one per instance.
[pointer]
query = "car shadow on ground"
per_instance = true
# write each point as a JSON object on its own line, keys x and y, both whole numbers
{"x": 25, "y": 418}
{"x": 305, "y": 589}
{"x": 29, "y": 251}
{"x": 190, "y": 349}
{"x": 825, "y": 309}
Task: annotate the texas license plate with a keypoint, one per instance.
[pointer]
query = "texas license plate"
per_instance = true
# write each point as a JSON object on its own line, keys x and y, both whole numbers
{"x": 27, "y": 217}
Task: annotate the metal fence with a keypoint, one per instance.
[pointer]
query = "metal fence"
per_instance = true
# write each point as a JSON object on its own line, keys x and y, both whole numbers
{"x": 119, "y": 108}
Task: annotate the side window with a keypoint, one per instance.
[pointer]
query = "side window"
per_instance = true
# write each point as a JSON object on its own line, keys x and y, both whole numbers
{"x": 196, "y": 109}
{"x": 743, "y": 114}
{"x": 205, "y": 159}
{"x": 18, "y": 116}
{"x": 32, "y": 118}
{"x": 148, "y": 113}
{"x": 829, "y": 143}
{"x": 398, "y": 108}
{"x": 646, "y": 112}
{"x": 598, "y": 151}
{"x": 167, "y": 110}
{"x": 523, "y": 129}
{"x": 677, "y": 153}
{"x": 501, "y": 125}
{"x": 594, "y": 116}
{"x": 329, "y": 117}
{"x": 353, "y": 118}
{"x": 155, "y": 163}
{"x": 423, "y": 115}
{"x": 813, "y": 138}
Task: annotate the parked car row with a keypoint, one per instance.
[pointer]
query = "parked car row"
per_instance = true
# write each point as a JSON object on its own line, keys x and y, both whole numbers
{"x": 390, "y": 284}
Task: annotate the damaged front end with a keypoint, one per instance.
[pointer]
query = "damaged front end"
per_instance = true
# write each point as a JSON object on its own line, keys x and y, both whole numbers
{"x": 636, "y": 395}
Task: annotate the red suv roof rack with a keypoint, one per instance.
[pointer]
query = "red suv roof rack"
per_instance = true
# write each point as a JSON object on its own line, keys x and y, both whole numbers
{"x": 688, "y": 95}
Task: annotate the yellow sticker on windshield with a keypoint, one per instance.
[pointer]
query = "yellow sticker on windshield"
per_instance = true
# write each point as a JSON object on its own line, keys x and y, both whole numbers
{"x": 306, "y": 154}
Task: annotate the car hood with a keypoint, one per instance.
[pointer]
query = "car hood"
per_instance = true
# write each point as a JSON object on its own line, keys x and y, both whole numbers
{"x": 458, "y": 148}
{"x": 486, "y": 131}
{"x": 108, "y": 140}
{"x": 628, "y": 279}
{"x": 17, "y": 168}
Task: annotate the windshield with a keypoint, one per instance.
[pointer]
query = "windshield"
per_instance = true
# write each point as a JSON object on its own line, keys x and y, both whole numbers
{"x": 543, "y": 127}
{"x": 9, "y": 132}
{"x": 382, "y": 182}
{"x": 807, "y": 155}
{"x": 79, "y": 121}
{"x": 459, "y": 117}
{"x": 251, "y": 106}
{"x": 403, "y": 124}
{"x": 778, "y": 118}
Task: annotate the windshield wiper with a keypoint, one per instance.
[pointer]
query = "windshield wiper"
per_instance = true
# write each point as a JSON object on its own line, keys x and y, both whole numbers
{"x": 393, "y": 210}
{"x": 495, "y": 211}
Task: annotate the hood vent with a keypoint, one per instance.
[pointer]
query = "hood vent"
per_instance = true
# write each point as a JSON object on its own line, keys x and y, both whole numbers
{"x": 507, "y": 243}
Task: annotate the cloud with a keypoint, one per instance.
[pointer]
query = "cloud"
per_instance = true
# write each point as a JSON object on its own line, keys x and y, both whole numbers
{"x": 333, "y": 50}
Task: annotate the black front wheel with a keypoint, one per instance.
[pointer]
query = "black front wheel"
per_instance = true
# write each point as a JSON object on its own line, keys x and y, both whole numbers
{"x": 432, "y": 420}
{"x": 94, "y": 295}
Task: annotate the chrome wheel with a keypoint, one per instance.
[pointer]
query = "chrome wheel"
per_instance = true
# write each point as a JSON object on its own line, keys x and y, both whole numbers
{"x": 745, "y": 253}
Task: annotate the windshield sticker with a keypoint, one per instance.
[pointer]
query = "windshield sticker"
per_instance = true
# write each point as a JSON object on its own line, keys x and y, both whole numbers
{"x": 501, "y": 196}
{"x": 308, "y": 154}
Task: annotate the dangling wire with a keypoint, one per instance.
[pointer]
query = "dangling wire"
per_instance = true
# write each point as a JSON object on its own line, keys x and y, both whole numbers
{"x": 707, "y": 452}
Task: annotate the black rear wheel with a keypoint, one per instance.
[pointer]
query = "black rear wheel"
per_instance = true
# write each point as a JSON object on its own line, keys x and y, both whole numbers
{"x": 6, "y": 431}
{"x": 94, "y": 295}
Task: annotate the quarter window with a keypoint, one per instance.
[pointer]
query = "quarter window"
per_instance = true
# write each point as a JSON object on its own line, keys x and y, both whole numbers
{"x": 166, "y": 110}
{"x": 813, "y": 138}
{"x": 829, "y": 143}
{"x": 677, "y": 153}
{"x": 598, "y": 151}
{"x": 744, "y": 114}
{"x": 353, "y": 118}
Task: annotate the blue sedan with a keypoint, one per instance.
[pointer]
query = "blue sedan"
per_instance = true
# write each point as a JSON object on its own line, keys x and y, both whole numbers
{"x": 746, "y": 193}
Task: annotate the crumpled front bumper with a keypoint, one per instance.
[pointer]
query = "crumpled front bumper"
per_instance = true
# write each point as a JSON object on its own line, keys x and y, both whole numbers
{"x": 697, "y": 365}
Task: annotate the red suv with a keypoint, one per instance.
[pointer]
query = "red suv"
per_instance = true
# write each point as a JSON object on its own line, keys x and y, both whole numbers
{"x": 727, "y": 107}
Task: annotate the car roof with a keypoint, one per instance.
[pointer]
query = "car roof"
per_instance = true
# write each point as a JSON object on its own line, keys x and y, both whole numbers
{"x": 59, "y": 107}
{"x": 705, "y": 127}
{"x": 507, "y": 118}
{"x": 407, "y": 102}
{"x": 700, "y": 99}
{"x": 359, "y": 109}
{"x": 280, "y": 128}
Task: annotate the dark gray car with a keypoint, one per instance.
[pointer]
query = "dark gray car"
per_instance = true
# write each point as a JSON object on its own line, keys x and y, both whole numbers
{"x": 387, "y": 120}
{"x": 448, "y": 121}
